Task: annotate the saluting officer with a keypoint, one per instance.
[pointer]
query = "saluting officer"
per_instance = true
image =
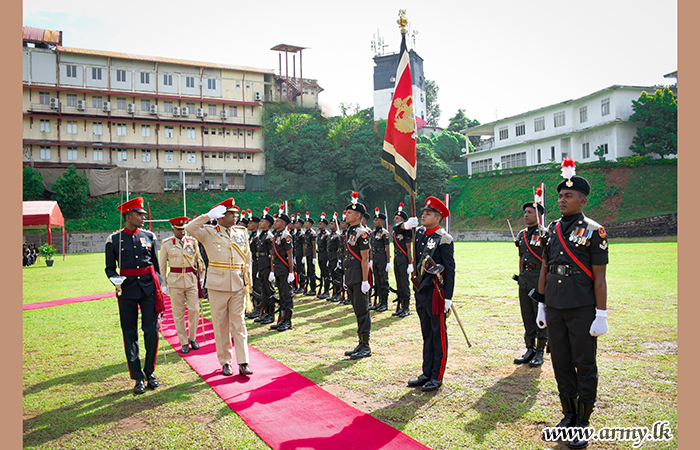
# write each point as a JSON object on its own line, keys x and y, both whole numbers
{"x": 310, "y": 256}
{"x": 572, "y": 281}
{"x": 356, "y": 264}
{"x": 263, "y": 245}
{"x": 138, "y": 287}
{"x": 253, "y": 225}
{"x": 284, "y": 269}
{"x": 434, "y": 292}
{"x": 530, "y": 243}
{"x": 381, "y": 260}
{"x": 298, "y": 240}
{"x": 181, "y": 253}
{"x": 229, "y": 277}
{"x": 333, "y": 262}
{"x": 403, "y": 261}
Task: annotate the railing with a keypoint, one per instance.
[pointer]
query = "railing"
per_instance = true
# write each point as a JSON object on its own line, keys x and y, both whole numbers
{"x": 39, "y": 107}
{"x": 486, "y": 144}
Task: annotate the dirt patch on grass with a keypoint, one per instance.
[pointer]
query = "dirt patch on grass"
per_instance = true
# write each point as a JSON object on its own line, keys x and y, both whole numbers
{"x": 131, "y": 424}
{"x": 610, "y": 205}
{"x": 363, "y": 402}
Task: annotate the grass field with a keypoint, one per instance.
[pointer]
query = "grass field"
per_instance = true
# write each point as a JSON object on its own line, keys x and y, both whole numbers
{"x": 77, "y": 393}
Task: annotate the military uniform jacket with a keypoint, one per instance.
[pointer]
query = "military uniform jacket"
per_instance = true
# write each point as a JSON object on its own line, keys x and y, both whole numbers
{"x": 322, "y": 243}
{"x": 333, "y": 244}
{"x": 181, "y": 254}
{"x": 379, "y": 239}
{"x": 401, "y": 238}
{"x": 230, "y": 259}
{"x": 530, "y": 248}
{"x": 587, "y": 242}
{"x": 281, "y": 241}
{"x": 309, "y": 237}
{"x": 357, "y": 241}
{"x": 253, "y": 243}
{"x": 138, "y": 250}
{"x": 263, "y": 246}
{"x": 440, "y": 244}
{"x": 298, "y": 241}
{"x": 342, "y": 249}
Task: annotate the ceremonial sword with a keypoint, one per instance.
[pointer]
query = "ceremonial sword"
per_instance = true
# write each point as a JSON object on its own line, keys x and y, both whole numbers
{"x": 436, "y": 269}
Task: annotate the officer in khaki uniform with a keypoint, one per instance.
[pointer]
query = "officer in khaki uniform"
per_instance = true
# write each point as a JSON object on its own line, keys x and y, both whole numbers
{"x": 228, "y": 279}
{"x": 186, "y": 267}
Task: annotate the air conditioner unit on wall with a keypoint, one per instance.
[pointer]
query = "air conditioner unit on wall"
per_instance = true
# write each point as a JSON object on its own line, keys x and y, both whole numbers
{"x": 176, "y": 111}
{"x": 53, "y": 103}
{"x": 200, "y": 112}
{"x": 106, "y": 106}
{"x": 224, "y": 114}
{"x": 154, "y": 109}
{"x": 130, "y": 108}
{"x": 258, "y": 96}
{"x": 184, "y": 111}
{"x": 81, "y": 105}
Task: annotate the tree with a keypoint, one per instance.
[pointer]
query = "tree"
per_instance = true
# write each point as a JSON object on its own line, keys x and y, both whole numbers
{"x": 659, "y": 113}
{"x": 448, "y": 146}
{"x": 32, "y": 185}
{"x": 432, "y": 107}
{"x": 460, "y": 122}
{"x": 71, "y": 192}
{"x": 433, "y": 172}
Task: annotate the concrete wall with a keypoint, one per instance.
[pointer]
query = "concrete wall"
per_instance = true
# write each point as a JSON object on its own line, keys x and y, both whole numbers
{"x": 666, "y": 225}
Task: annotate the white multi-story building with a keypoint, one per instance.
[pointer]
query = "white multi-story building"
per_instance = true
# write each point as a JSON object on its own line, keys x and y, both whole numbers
{"x": 573, "y": 128}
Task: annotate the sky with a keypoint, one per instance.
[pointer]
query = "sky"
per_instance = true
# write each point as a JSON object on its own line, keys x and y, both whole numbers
{"x": 494, "y": 59}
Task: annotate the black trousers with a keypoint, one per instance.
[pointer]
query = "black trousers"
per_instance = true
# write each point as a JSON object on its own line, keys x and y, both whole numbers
{"x": 257, "y": 300}
{"x": 360, "y": 305}
{"x": 381, "y": 277}
{"x": 325, "y": 272}
{"x": 335, "y": 274}
{"x": 128, "y": 318}
{"x": 434, "y": 330}
{"x": 299, "y": 269}
{"x": 403, "y": 286}
{"x": 528, "y": 311}
{"x": 311, "y": 272}
{"x": 573, "y": 351}
{"x": 266, "y": 291}
{"x": 285, "y": 289}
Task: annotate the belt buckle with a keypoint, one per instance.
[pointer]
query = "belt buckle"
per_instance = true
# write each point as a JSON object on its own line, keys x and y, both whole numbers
{"x": 561, "y": 270}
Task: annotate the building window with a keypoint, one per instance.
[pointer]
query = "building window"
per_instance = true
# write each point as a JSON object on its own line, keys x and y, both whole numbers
{"x": 145, "y": 78}
{"x": 211, "y": 84}
{"x": 145, "y": 105}
{"x": 191, "y": 157}
{"x": 192, "y": 108}
{"x": 72, "y": 127}
{"x": 72, "y": 153}
{"x": 520, "y": 129}
{"x": 233, "y": 110}
{"x": 71, "y": 100}
{"x": 44, "y": 98}
{"x": 169, "y": 156}
{"x": 559, "y": 119}
{"x": 45, "y": 152}
{"x": 97, "y": 154}
{"x": 189, "y": 82}
{"x": 248, "y": 111}
{"x": 121, "y": 155}
{"x": 238, "y": 83}
{"x": 212, "y": 110}
{"x": 167, "y": 80}
{"x": 121, "y": 129}
{"x": 121, "y": 76}
{"x": 96, "y": 73}
{"x": 72, "y": 71}
{"x": 45, "y": 126}
{"x": 97, "y": 101}
{"x": 515, "y": 160}
{"x": 539, "y": 124}
{"x": 168, "y": 106}
{"x": 503, "y": 133}
{"x": 583, "y": 114}
{"x": 605, "y": 149}
{"x": 168, "y": 131}
{"x": 605, "y": 106}
{"x": 539, "y": 156}
{"x": 250, "y": 133}
{"x": 482, "y": 166}
{"x": 586, "y": 150}
{"x": 121, "y": 103}
{"x": 554, "y": 155}
{"x": 247, "y": 84}
{"x": 97, "y": 128}
{"x": 190, "y": 135}
{"x": 145, "y": 155}
{"x": 145, "y": 131}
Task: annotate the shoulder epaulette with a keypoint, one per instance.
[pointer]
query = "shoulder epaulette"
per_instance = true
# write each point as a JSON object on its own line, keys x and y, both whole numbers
{"x": 591, "y": 224}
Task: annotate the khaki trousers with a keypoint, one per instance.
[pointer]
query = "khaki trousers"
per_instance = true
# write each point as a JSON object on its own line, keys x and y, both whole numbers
{"x": 227, "y": 310}
{"x": 179, "y": 298}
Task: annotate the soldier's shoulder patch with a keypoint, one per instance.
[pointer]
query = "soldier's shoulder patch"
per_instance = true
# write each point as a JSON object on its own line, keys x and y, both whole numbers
{"x": 602, "y": 233}
{"x": 288, "y": 238}
{"x": 445, "y": 239}
{"x": 111, "y": 237}
{"x": 364, "y": 235}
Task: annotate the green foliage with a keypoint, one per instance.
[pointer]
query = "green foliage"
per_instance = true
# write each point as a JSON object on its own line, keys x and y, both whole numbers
{"x": 659, "y": 113}
{"x": 433, "y": 172}
{"x": 600, "y": 152}
{"x": 448, "y": 145}
{"x": 650, "y": 191}
{"x": 432, "y": 115}
{"x": 32, "y": 185}
{"x": 71, "y": 192}
{"x": 47, "y": 251}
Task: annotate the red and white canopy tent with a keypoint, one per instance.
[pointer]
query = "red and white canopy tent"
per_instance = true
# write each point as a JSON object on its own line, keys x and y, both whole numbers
{"x": 44, "y": 214}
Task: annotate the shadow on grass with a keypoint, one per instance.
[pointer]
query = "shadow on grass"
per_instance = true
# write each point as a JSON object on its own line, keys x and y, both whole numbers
{"x": 505, "y": 402}
{"x": 404, "y": 409}
{"x": 321, "y": 371}
{"x": 98, "y": 411}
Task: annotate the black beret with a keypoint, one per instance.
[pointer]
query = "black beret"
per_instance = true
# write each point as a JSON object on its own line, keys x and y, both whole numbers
{"x": 576, "y": 184}
{"x": 310, "y": 220}
{"x": 359, "y": 207}
{"x": 284, "y": 217}
{"x": 255, "y": 219}
{"x": 540, "y": 208}
{"x": 269, "y": 218}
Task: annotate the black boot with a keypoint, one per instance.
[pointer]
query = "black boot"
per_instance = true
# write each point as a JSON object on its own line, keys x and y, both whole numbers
{"x": 529, "y": 353}
{"x": 584, "y": 415}
{"x": 382, "y": 305}
{"x": 364, "y": 350}
{"x": 280, "y": 319}
{"x": 539, "y": 352}
{"x": 253, "y": 314}
{"x": 350, "y": 352}
{"x": 569, "y": 406}
{"x": 286, "y": 323}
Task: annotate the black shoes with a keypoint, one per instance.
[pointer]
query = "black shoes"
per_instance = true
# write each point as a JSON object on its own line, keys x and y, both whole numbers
{"x": 152, "y": 381}
{"x": 420, "y": 381}
{"x": 382, "y": 306}
{"x": 582, "y": 421}
{"x": 194, "y": 345}
{"x": 569, "y": 406}
{"x": 226, "y": 370}
{"x": 140, "y": 387}
{"x": 299, "y": 290}
{"x": 286, "y": 323}
{"x": 539, "y": 353}
{"x": 185, "y": 349}
{"x": 404, "y": 312}
{"x": 253, "y": 314}
{"x": 244, "y": 370}
{"x": 431, "y": 385}
{"x": 529, "y": 353}
{"x": 350, "y": 352}
{"x": 267, "y": 319}
{"x": 363, "y": 350}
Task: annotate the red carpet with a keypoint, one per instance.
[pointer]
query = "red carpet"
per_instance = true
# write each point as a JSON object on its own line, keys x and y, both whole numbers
{"x": 65, "y": 301}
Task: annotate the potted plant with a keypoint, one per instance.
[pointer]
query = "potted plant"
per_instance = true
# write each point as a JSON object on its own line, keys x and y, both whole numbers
{"x": 47, "y": 251}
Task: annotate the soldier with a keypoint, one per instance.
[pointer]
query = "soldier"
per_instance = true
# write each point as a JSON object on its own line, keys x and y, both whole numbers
{"x": 434, "y": 291}
{"x": 322, "y": 249}
{"x": 298, "y": 240}
{"x": 529, "y": 243}
{"x": 138, "y": 287}
{"x": 230, "y": 265}
{"x": 356, "y": 264}
{"x": 381, "y": 260}
{"x": 186, "y": 267}
{"x": 341, "y": 256}
{"x": 403, "y": 261}
{"x": 333, "y": 262}
{"x": 263, "y": 245}
{"x": 253, "y": 224}
{"x": 309, "y": 256}
{"x": 284, "y": 269}
{"x": 572, "y": 293}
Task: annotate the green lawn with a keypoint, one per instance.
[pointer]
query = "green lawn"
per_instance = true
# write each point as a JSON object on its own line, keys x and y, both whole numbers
{"x": 85, "y": 400}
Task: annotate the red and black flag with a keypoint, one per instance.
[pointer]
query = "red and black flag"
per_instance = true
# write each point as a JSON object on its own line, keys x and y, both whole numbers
{"x": 399, "y": 153}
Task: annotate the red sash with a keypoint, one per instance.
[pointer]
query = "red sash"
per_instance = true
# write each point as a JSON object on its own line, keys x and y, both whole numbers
{"x": 578, "y": 263}
{"x": 400, "y": 248}
{"x": 180, "y": 270}
{"x": 528, "y": 246}
{"x": 160, "y": 301}
{"x": 278, "y": 255}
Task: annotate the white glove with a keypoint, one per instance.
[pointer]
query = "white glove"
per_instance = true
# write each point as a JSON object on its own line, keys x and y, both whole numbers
{"x": 337, "y": 266}
{"x": 600, "y": 325}
{"x": 290, "y": 278}
{"x": 328, "y": 263}
{"x": 201, "y": 282}
{"x": 314, "y": 262}
{"x": 409, "y": 269}
{"x": 271, "y": 278}
{"x": 303, "y": 259}
{"x": 257, "y": 274}
{"x": 217, "y": 212}
{"x": 345, "y": 286}
{"x": 412, "y": 222}
{"x": 365, "y": 287}
{"x": 370, "y": 263}
{"x": 541, "y": 316}
{"x": 388, "y": 267}
{"x": 448, "y": 305}
{"x": 165, "y": 290}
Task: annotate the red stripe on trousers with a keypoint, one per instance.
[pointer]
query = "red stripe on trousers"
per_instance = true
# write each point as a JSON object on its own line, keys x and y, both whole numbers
{"x": 443, "y": 335}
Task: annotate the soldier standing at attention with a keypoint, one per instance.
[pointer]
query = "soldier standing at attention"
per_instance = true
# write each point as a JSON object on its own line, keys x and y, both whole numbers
{"x": 298, "y": 240}
{"x": 229, "y": 276}
{"x": 263, "y": 245}
{"x": 381, "y": 259}
{"x": 433, "y": 292}
{"x": 342, "y": 250}
{"x": 333, "y": 246}
{"x": 284, "y": 269}
{"x": 403, "y": 261}
{"x": 253, "y": 224}
{"x": 573, "y": 294}
{"x": 310, "y": 256}
{"x": 530, "y": 242}
{"x": 356, "y": 264}
{"x": 322, "y": 247}
{"x": 135, "y": 251}
{"x": 186, "y": 266}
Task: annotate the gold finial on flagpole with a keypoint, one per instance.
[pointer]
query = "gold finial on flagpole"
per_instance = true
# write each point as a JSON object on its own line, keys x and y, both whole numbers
{"x": 402, "y": 21}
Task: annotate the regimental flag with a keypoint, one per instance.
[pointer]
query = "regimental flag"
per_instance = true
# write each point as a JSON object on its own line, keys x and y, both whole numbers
{"x": 539, "y": 198}
{"x": 399, "y": 153}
